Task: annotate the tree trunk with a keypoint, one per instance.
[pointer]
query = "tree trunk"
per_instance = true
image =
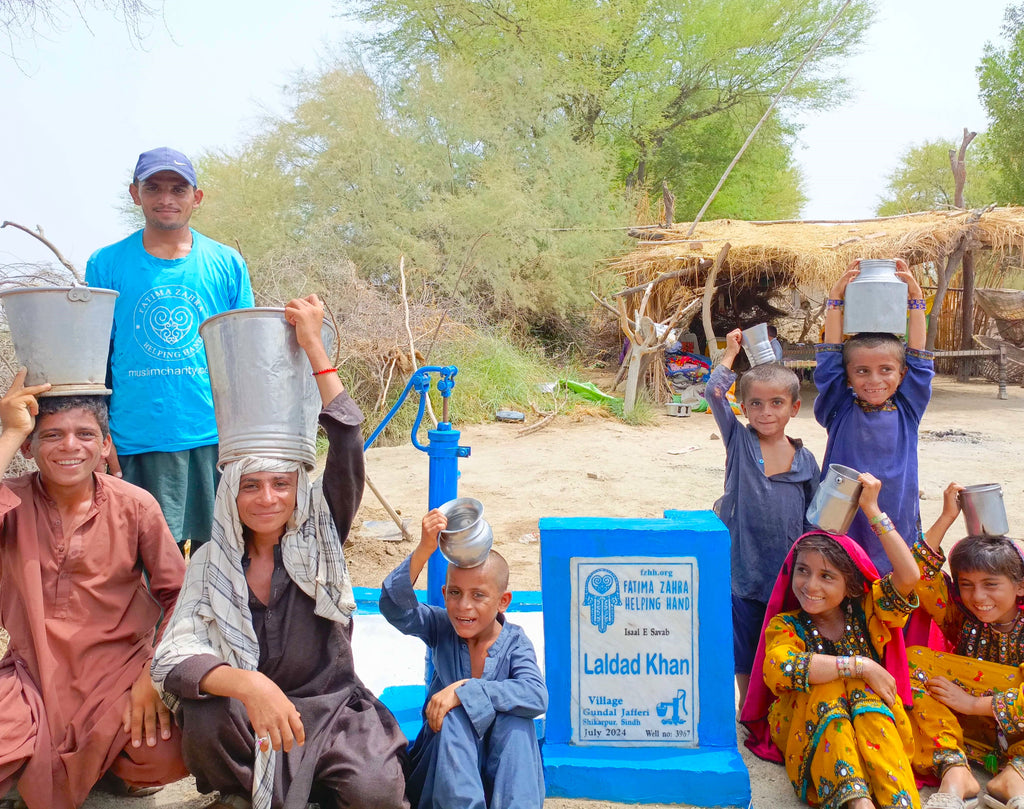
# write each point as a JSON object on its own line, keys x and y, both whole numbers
{"x": 966, "y": 318}
{"x": 958, "y": 164}
{"x": 632, "y": 378}
{"x": 952, "y": 264}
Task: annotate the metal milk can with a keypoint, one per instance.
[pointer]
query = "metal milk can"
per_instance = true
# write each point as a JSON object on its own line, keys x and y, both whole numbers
{"x": 876, "y": 300}
{"x": 834, "y": 505}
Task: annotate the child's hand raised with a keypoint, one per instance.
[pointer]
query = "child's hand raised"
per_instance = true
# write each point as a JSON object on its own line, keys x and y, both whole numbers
{"x": 839, "y": 288}
{"x": 951, "y": 501}
{"x": 433, "y": 523}
{"x": 870, "y": 486}
{"x": 733, "y": 344}
{"x": 904, "y": 274}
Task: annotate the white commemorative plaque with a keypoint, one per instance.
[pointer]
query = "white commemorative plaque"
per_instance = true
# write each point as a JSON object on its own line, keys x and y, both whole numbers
{"x": 634, "y": 651}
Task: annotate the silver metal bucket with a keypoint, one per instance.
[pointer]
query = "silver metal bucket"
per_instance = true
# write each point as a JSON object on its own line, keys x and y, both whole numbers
{"x": 264, "y": 396}
{"x": 467, "y": 539}
{"x": 758, "y": 345}
{"x": 834, "y": 505}
{"x": 876, "y": 300}
{"x": 984, "y": 510}
{"x": 62, "y": 335}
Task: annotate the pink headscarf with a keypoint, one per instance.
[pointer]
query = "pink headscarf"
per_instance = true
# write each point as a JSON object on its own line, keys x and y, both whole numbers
{"x": 754, "y": 712}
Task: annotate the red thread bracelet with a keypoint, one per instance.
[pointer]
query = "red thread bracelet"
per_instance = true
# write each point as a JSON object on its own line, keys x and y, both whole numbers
{"x": 325, "y": 371}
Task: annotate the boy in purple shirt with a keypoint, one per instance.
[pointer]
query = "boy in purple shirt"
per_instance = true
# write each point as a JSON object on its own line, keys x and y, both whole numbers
{"x": 872, "y": 393}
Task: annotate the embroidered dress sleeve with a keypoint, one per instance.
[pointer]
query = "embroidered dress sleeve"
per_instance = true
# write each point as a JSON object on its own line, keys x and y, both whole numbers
{"x": 933, "y": 589}
{"x": 400, "y": 607}
{"x": 916, "y": 388}
{"x": 718, "y": 386}
{"x": 1008, "y": 709}
{"x": 786, "y": 659}
{"x": 891, "y": 608}
{"x": 522, "y": 693}
{"x": 830, "y": 380}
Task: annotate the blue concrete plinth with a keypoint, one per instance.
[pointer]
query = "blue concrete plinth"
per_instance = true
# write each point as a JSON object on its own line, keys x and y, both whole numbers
{"x": 703, "y": 777}
{"x": 638, "y": 650}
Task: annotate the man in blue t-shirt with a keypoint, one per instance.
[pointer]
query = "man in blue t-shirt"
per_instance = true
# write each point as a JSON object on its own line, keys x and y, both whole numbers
{"x": 170, "y": 279}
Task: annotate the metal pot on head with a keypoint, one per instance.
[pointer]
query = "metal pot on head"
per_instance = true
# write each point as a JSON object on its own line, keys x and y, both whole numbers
{"x": 467, "y": 539}
{"x": 984, "y": 510}
{"x": 758, "y": 345}
{"x": 835, "y": 503}
{"x": 876, "y": 300}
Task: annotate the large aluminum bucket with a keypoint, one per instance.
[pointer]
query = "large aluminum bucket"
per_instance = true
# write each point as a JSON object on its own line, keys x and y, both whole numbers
{"x": 758, "y": 345}
{"x": 467, "y": 538}
{"x": 876, "y": 300}
{"x": 984, "y": 510}
{"x": 62, "y": 335}
{"x": 834, "y": 505}
{"x": 264, "y": 395}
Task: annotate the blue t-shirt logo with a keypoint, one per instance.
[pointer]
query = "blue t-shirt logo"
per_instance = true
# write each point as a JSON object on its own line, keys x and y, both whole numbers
{"x": 167, "y": 322}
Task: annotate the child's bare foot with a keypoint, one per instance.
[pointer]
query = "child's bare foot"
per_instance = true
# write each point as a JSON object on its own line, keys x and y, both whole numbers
{"x": 1007, "y": 784}
{"x": 860, "y": 803}
{"x": 960, "y": 781}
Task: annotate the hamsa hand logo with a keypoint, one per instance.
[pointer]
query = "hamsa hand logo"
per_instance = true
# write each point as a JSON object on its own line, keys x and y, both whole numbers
{"x": 601, "y": 594}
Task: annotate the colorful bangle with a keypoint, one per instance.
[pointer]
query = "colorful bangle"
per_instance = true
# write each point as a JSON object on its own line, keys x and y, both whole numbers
{"x": 877, "y": 519}
{"x": 916, "y": 303}
{"x": 883, "y": 526}
{"x": 834, "y": 303}
{"x": 858, "y": 667}
{"x": 325, "y": 371}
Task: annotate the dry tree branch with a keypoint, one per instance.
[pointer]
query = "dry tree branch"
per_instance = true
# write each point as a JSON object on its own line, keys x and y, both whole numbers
{"x": 38, "y": 234}
{"x": 408, "y": 331}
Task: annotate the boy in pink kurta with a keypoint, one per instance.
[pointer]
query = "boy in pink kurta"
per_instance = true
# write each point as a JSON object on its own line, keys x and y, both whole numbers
{"x": 76, "y": 546}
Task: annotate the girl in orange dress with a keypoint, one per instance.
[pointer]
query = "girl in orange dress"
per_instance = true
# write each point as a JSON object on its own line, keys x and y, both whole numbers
{"x": 831, "y": 703}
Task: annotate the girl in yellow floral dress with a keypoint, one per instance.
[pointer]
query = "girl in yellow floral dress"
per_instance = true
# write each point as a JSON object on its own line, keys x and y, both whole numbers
{"x": 968, "y": 704}
{"x": 831, "y": 703}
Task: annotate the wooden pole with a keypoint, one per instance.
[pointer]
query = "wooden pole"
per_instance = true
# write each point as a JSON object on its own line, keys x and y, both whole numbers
{"x": 958, "y": 164}
{"x": 709, "y": 294}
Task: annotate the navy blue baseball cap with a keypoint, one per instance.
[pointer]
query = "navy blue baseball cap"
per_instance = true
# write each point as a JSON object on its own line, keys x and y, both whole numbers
{"x": 164, "y": 159}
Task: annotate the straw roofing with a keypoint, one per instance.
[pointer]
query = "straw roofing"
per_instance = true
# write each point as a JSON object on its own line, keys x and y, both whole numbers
{"x": 805, "y": 254}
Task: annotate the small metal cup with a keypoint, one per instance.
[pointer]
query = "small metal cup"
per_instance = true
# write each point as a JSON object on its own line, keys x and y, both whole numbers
{"x": 984, "y": 510}
{"x": 758, "y": 345}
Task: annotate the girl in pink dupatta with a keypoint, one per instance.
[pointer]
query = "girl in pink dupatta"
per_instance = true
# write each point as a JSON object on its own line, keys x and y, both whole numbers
{"x": 831, "y": 702}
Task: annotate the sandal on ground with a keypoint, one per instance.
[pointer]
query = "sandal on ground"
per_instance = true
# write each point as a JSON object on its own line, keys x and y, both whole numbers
{"x": 230, "y": 802}
{"x": 1016, "y": 802}
{"x": 947, "y": 800}
{"x": 116, "y": 785}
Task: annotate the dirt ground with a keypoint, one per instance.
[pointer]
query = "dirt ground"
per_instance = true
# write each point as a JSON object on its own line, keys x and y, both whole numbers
{"x": 605, "y": 468}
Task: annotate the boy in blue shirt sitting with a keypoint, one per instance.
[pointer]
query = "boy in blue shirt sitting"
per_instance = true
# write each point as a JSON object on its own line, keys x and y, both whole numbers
{"x": 478, "y": 747}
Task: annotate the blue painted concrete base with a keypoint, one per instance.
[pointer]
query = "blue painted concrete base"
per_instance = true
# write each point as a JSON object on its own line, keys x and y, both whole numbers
{"x": 700, "y": 777}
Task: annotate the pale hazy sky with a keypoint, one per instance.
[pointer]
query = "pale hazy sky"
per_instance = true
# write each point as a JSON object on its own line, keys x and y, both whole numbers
{"x": 80, "y": 104}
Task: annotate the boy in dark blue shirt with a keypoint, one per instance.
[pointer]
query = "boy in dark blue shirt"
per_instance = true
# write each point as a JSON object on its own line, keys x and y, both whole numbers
{"x": 769, "y": 482}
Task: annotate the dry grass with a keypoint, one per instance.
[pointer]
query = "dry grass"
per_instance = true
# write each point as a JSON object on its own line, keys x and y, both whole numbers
{"x": 807, "y": 255}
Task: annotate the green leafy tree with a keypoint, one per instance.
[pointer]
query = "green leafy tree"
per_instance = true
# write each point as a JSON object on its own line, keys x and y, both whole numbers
{"x": 923, "y": 180}
{"x": 427, "y": 171}
{"x": 636, "y": 74}
{"x": 1001, "y": 79}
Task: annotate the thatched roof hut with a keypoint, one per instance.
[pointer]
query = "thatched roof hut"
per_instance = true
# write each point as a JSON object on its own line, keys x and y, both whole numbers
{"x": 775, "y": 270}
